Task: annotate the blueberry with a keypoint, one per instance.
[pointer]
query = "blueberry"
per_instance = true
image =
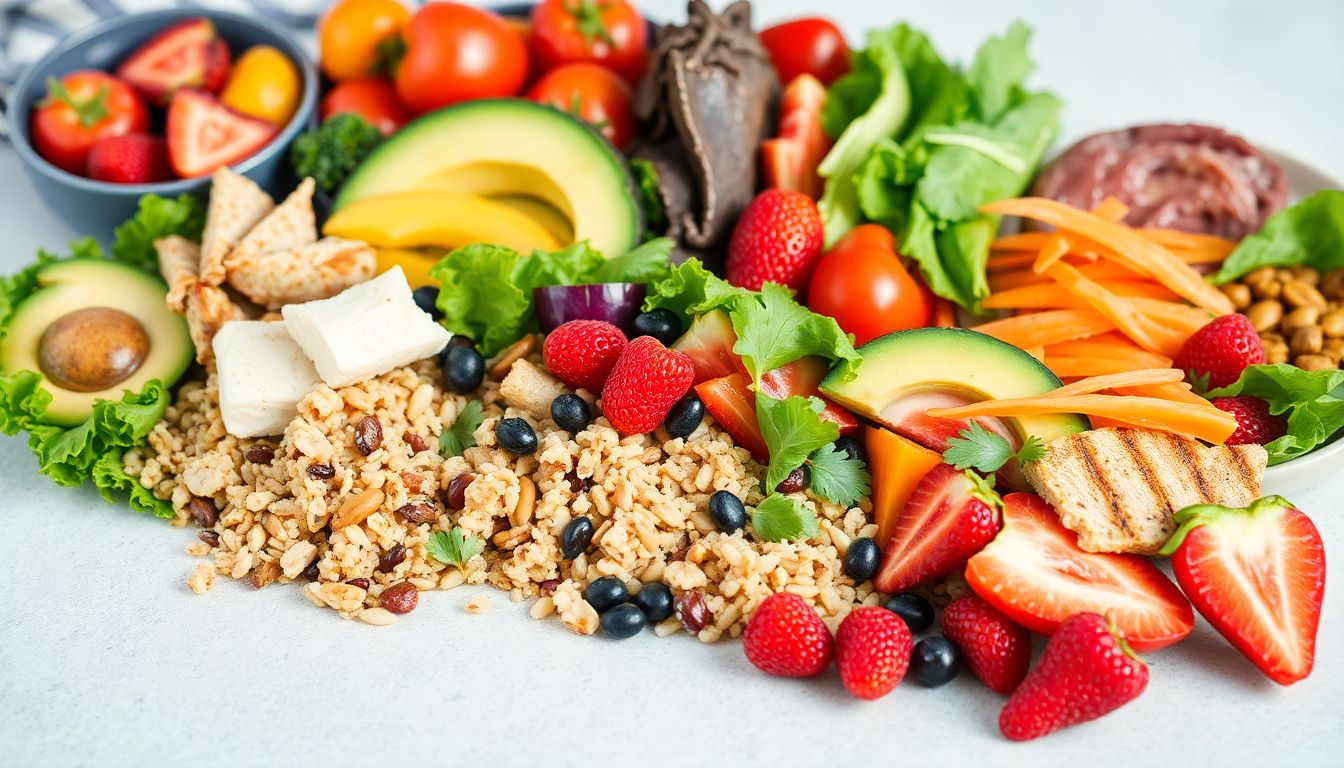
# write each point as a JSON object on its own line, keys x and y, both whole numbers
{"x": 606, "y": 593}
{"x": 463, "y": 369}
{"x": 914, "y": 610}
{"x": 850, "y": 447}
{"x": 685, "y": 416}
{"x": 571, "y": 413}
{"x": 796, "y": 482}
{"x": 934, "y": 661}
{"x": 576, "y": 537}
{"x": 516, "y": 436}
{"x": 661, "y": 324}
{"x": 655, "y": 600}
{"x": 622, "y": 621}
{"x": 727, "y": 512}
{"x": 426, "y": 298}
{"x": 861, "y": 559}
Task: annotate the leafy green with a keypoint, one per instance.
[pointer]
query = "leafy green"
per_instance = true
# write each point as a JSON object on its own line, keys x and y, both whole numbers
{"x": 331, "y": 152}
{"x": 155, "y": 218}
{"x": 996, "y": 73}
{"x": 984, "y": 451}
{"x": 836, "y": 477}
{"x": 645, "y": 264}
{"x": 650, "y": 200}
{"x": 17, "y": 287}
{"x": 1309, "y": 233}
{"x": 462, "y": 435}
{"x": 113, "y": 483}
{"x": 1313, "y": 401}
{"x": 779, "y": 518}
{"x": 792, "y": 431}
{"x": 773, "y": 330}
{"x": 454, "y": 547}
{"x": 689, "y": 290}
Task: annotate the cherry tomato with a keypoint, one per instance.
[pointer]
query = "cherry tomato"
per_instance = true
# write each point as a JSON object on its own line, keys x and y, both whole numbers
{"x": 593, "y": 94}
{"x": 353, "y": 37}
{"x": 457, "y": 53}
{"x": 264, "y": 84}
{"x": 868, "y": 292}
{"x": 606, "y": 32}
{"x": 867, "y": 236}
{"x": 807, "y": 46}
{"x": 80, "y": 109}
{"x": 372, "y": 98}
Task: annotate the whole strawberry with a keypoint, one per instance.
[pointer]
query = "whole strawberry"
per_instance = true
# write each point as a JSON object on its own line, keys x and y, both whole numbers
{"x": 1215, "y": 355}
{"x": 777, "y": 239}
{"x": 1086, "y": 671}
{"x": 1255, "y": 424}
{"x": 582, "y": 353}
{"x": 997, "y": 650}
{"x": 135, "y": 158}
{"x": 647, "y": 380}
{"x": 872, "y": 651}
{"x": 786, "y": 638}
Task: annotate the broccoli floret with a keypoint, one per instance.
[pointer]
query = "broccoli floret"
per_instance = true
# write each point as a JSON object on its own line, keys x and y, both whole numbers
{"x": 330, "y": 153}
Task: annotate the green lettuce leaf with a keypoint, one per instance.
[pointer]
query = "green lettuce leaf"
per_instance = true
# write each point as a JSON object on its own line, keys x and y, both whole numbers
{"x": 645, "y": 264}
{"x": 998, "y": 70}
{"x": 689, "y": 290}
{"x": 1309, "y": 233}
{"x": 114, "y": 484}
{"x": 1313, "y": 400}
{"x": 157, "y": 217}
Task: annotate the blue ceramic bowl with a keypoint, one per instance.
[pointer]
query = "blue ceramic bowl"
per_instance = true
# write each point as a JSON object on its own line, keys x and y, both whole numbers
{"x": 96, "y": 207}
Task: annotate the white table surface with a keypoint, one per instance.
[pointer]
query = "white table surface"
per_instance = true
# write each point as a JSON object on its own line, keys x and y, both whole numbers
{"x": 106, "y": 658}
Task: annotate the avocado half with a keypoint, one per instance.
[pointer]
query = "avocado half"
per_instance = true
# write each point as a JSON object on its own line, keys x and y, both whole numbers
{"x": 906, "y": 372}
{"x": 505, "y": 149}
{"x": 74, "y": 284}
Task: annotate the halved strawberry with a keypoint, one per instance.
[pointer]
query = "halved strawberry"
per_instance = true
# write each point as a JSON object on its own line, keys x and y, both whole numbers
{"x": 730, "y": 401}
{"x": 803, "y": 378}
{"x": 950, "y": 516}
{"x": 1258, "y": 576}
{"x": 204, "y": 135}
{"x": 1035, "y": 573}
{"x": 188, "y": 54}
{"x": 709, "y": 343}
{"x": 790, "y": 161}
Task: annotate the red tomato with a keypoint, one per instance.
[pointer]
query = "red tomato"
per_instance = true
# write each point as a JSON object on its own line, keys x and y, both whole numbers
{"x": 457, "y": 53}
{"x": 606, "y": 32}
{"x": 79, "y": 110}
{"x": 372, "y": 98}
{"x": 593, "y": 94}
{"x": 807, "y": 46}
{"x": 868, "y": 292}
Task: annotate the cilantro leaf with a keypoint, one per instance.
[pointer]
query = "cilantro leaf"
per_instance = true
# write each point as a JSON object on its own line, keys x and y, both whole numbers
{"x": 157, "y": 217}
{"x": 773, "y": 330}
{"x": 984, "y": 451}
{"x": 1032, "y": 450}
{"x": 836, "y": 477}
{"x": 454, "y": 547}
{"x": 792, "y": 430}
{"x": 779, "y": 518}
{"x": 461, "y": 436}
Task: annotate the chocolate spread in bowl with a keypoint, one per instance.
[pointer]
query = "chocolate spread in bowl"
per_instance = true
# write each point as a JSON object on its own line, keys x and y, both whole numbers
{"x": 1189, "y": 177}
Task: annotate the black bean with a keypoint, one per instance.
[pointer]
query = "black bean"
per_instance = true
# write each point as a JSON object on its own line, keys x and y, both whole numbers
{"x": 727, "y": 512}
{"x": 622, "y": 621}
{"x": 426, "y": 298}
{"x": 861, "y": 559}
{"x": 915, "y": 611}
{"x": 463, "y": 369}
{"x": 516, "y": 436}
{"x": 606, "y": 593}
{"x": 661, "y": 324}
{"x": 685, "y": 416}
{"x": 655, "y": 600}
{"x": 934, "y": 661}
{"x": 571, "y": 413}
{"x": 576, "y": 537}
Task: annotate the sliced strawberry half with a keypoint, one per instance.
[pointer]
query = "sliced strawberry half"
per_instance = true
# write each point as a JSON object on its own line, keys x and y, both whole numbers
{"x": 803, "y": 378}
{"x": 950, "y": 516}
{"x": 188, "y": 54}
{"x": 709, "y": 343}
{"x": 204, "y": 135}
{"x": 1035, "y": 573}
{"x": 730, "y": 401}
{"x": 1258, "y": 576}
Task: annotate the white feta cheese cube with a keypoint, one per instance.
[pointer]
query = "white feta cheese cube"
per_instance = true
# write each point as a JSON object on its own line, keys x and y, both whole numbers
{"x": 365, "y": 330}
{"x": 262, "y": 376}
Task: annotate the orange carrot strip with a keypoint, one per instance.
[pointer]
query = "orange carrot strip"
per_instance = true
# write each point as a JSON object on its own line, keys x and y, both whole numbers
{"x": 1099, "y": 423}
{"x": 1036, "y": 352}
{"x": 1177, "y": 392}
{"x": 1128, "y": 319}
{"x": 1135, "y": 378}
{"x": 1185, "y": 318}
{"x": 1041, "y": 329}
{"x": 1003, "y": 281}
{"x": 1124, "y": 245}
{"x": 1199, "y": 421}
{"x": 1056, "y": 246}
{"x": 1103, "y": 346}
{"x": 1067, "y": 367}
{"x": 1202, "y": 245}
{"x": 1055, "y": 296}
{"x": 1111, "y": 209}
{"x": 944, "y": 313}
{"x": 1208, "y": 251}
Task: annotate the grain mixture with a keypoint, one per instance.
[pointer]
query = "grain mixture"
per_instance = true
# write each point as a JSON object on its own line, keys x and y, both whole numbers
{"x": 349, "y": 496}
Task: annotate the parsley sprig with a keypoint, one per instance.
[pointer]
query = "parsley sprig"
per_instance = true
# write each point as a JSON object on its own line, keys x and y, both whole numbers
{"x": 454, "y": 547}
{"x": 461, "y": 436}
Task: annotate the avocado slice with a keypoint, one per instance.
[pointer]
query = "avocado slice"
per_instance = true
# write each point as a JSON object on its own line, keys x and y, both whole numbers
{"x": 94, "y": 329}
{"x": 511, "y": 147}
{"x": 907, "y": 372}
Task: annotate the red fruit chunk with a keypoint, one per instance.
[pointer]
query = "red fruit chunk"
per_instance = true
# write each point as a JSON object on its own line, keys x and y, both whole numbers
{"x": 790, "y": 161}
{"x": 1258, "y": 576}
{"x": 778, "y": 239}
{"x": 204, "y": 135}
{"x": 132, "y": 159}
{"x": 786, "y": 638}
{"x": 997, "y": 651}
{"x": 581, "y": 353}
{"x": 647, "y": 380}
{"x": 1255, "y": 424}
{"x": 185, "y": 55}
{"x": 872, "y": 651}
{"x": 709, "y": 344}
{"x": 1086, "y": 671}
{"x": 1220, "y": 351}
{"x": 730, "y": 401}
{"x": 803, "y": 378}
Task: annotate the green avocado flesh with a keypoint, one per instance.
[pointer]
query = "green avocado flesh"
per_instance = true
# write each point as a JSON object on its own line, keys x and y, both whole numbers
{"x": 511, "y": 147}
{"x": 917, "y": 367}
{"x": 78, "y": 284}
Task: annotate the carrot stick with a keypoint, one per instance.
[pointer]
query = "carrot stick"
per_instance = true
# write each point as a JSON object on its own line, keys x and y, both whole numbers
{"x": 1135, "y": 378}
{"x": 1036, "y": 352}
{"x": 1003, "y": 281}
{"x": 1192, "y": 251}
{"x": 1180, "y": 316}
{"x": 1067, "y": 367}
{"x": 1055, "y": 296}
{"x": 1124, "y": 245}
{"x": 1177, "y": 392}
{"x": 1054, "y": 249}
{"x": 1041, "y": 329}
{"x": 1191, "y": 243}
{"x": 1111, "y": 209}
{"x": 1145, "y": 332}
{"x": 1110, "y": 346}
{"x": 944, "y": 313}
{"x": 1203, "y": 422}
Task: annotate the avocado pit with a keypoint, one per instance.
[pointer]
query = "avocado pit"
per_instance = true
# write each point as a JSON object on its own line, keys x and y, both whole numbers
{"x": 92, "y": 349}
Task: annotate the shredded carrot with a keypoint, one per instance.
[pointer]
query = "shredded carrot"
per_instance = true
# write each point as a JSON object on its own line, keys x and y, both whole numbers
{"x": 1110, "y": 346}
{"x": 1066, "y": 367}
{"x": 1036, "y": 352}
{"x": 1003, "y": 281}
{"x": 1100, "y": 423}
{"x": 1199, "y": 421}
{"x": 1041, "y": 329}
{"x": 1192, "y": 245}
{"x": 1177, "y": 392}
{"x": 1055, "y": 248}
{"x": 1111, "y": 209}
{"x": 1124, "y": 245}
{"x": 1182, "y": 317}
{"x": 1055, "y": 296}
{"x": 1122, "y": 312}
{"x": 1134, "y": 378}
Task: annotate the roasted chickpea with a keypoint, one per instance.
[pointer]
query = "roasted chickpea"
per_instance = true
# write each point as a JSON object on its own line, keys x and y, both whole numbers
{"x": 1307, "y": 275}
{"x": 1265, "y": 315}
{"x": 1306, "y": 341}
{"x": 1314, "y": 362}
{"x": 1298, "y": 294}
{"x": 1301, "y": 317}
{"x": 1332, "y": 284}
{"x": 1238, "y": 294}
{"x": 1332, "y": 324}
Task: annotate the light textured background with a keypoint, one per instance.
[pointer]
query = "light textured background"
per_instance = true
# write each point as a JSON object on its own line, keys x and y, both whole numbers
{"x": 107, "y": 658}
